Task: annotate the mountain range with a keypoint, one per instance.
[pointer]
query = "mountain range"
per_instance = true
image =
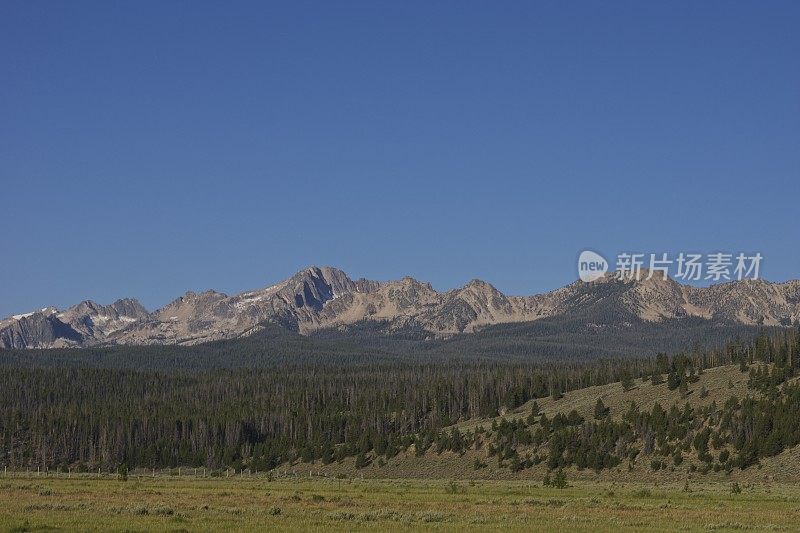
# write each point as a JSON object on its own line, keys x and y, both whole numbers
{"x": 317, "y": 300}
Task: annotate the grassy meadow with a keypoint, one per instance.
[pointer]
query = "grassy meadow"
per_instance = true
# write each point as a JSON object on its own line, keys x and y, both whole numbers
{"x": 205, "y": 504}
{"x": 434, "y": 491}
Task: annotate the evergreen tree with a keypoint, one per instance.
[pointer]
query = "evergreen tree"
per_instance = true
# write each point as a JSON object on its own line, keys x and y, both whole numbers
{"x": 656, "y": 378}
{"x": 534, "y": 413}
{"x": 626, "y": 379}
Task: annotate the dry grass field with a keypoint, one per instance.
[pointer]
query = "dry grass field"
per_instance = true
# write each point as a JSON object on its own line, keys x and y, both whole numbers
{"x": 205, "y": 504}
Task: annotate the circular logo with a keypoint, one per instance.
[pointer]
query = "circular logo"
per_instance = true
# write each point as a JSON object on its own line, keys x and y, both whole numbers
{"x": 591, "y": 266}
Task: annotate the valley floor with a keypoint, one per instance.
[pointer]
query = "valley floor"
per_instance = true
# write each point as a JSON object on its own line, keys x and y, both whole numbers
{"x": 206, "y": 504}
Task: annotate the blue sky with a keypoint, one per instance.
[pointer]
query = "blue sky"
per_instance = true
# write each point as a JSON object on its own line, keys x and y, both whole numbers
{"x": 150, "y": 148}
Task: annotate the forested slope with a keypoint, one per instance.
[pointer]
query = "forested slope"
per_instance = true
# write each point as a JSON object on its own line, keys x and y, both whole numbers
{"x": 269, "y": 411}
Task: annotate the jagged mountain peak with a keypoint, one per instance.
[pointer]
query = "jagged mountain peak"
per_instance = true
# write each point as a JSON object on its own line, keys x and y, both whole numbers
{"x": 409, "y": 282}
{"x": 130, "y": 307}
{"x": 192, "y": 300}
{"x": 319, "y": 297}
{"x": 478, "y": 283}
{"x": 314, "y": 286}
{"x": 208, "y": 293}
{"x": 327, "y": 273}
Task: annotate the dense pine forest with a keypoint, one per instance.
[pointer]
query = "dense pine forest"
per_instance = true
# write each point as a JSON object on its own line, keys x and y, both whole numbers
{"x": 87, "y": 408}
{"x": 259, "y": 417}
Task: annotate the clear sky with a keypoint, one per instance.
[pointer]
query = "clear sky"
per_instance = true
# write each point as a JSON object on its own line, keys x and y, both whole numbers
{"x": 149, "y": 148}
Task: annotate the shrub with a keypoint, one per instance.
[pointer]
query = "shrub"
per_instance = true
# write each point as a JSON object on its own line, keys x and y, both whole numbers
{"x": 560, "y": 480}
{"x": 454, "y": 488}
{"x": 361, "y": 461}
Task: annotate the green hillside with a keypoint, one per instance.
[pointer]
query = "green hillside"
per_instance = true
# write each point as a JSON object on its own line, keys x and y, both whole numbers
{"x": 713, "y": 388}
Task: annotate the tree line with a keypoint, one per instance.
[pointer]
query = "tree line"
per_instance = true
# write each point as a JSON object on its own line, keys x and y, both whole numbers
{"x": 80, "y": 416}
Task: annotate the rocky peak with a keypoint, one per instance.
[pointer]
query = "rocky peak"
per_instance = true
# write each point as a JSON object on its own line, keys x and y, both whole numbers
{"x": 323, "y": 297}
{"x": 312, "y": 287}
{"x": 40, "y": 329}
{"x": 130, "y": 307}
{"x": 191, "y": 304}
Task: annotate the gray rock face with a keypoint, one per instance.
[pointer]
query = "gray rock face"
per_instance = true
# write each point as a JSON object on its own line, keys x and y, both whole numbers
{"x": 96, "y": 322}
{"x": 323, "y": 297}
{"x": 41, "y": 329}
{"x": 81, "y": 325}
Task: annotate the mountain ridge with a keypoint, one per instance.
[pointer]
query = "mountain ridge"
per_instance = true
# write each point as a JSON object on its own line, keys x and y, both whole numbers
{"x": 319, "y": 298}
